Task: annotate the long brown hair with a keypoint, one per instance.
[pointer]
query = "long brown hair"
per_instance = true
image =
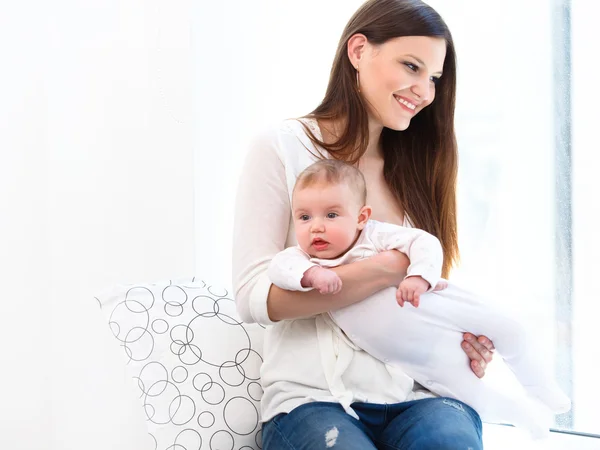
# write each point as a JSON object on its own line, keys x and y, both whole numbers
{"x": 420, "y": 163}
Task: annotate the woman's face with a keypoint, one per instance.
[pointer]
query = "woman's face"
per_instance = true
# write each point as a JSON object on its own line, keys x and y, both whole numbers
{"x": 398, "y": 78}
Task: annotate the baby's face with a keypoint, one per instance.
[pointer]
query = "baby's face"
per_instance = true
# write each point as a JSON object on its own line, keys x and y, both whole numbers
{"x": 326, "y": 218}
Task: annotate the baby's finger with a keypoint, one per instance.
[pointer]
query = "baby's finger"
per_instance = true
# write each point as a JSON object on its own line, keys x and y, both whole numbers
{"x": 404, "y": 295}
{"x": 399, "y": 298}
{"x": 409, "y": 296}
{"x": 416, "y": 300}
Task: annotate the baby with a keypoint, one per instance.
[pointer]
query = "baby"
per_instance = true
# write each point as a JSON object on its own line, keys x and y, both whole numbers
{"x": 333, "y": 227}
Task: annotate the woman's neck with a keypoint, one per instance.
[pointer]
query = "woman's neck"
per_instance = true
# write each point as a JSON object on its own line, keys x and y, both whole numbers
{"x": 331, "y": 131}
{"x": 374, "y": 150}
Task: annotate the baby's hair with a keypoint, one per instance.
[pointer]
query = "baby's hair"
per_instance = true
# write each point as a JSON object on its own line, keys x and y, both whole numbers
{"x": 332, "y": 171}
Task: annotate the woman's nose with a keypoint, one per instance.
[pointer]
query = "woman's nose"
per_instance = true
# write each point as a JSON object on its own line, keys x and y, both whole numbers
{"x": 423, "y": 89}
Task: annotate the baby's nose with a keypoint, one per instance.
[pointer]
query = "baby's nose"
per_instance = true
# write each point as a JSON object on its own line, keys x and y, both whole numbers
{"x": 318, "y": 225}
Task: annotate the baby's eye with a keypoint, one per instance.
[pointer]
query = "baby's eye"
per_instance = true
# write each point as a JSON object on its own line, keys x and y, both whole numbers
{"x": 304, "y": 217}
{"x": 332, "y": 215}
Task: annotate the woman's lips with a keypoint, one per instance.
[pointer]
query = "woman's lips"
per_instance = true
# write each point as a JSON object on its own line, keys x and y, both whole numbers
{"x": 405, "y": 104}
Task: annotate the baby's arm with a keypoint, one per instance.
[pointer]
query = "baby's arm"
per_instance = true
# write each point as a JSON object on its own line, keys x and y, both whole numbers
{"x": 292, "y": 270}
{"x": 426, "y": 258}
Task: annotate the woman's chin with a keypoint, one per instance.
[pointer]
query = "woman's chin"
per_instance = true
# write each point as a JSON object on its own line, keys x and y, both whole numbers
{"x": 398, "y": 124}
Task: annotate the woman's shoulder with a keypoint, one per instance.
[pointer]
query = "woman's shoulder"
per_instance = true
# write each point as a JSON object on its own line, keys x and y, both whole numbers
{"x": 294, "y": 128}
{"x": 289, "y": 140}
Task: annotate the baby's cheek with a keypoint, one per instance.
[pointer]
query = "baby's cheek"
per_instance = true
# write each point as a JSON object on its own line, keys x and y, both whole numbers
{"x": 302, "y": 238}
{"x": 343, "y": 236}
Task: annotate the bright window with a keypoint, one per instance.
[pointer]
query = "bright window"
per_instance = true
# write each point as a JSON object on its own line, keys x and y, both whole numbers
{"x": 527, "y": 199}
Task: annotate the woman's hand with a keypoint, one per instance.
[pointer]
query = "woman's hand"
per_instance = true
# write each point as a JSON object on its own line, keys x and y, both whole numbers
{"x": 480, "y": 351}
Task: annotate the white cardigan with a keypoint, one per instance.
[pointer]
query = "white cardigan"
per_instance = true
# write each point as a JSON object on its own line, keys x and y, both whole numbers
{"x": 300, "y": 356}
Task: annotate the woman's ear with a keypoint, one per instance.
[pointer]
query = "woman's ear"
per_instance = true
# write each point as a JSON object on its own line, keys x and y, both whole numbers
{"x": 363, "y": 216}
{"x": 356, "y": 48}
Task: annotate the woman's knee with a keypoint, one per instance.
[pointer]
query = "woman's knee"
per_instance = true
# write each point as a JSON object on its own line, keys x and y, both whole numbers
{"x": 454, "y": 425}
{"x": 435, "y": 424}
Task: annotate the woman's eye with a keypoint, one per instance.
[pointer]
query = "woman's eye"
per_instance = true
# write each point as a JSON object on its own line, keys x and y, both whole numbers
{"x": 435, "y": 80}
{"x": 412, "y": 66}
{"x": 332, "y": 215}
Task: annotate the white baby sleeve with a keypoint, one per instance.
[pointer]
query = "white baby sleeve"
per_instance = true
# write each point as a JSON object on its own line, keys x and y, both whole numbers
{"x": 423, "y": 249}
{"x": 287, "y": 269}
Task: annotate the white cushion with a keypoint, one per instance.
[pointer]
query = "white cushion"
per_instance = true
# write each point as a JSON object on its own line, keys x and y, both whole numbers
{"x": 196, "y": 367}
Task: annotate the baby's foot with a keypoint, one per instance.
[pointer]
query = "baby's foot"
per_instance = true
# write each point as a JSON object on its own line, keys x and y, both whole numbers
{"x": 534, "y": 416}
{"x": 538, "y": 424}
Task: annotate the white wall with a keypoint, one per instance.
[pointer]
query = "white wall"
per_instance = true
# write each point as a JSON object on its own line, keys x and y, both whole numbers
{"x": 24, "y": 390}
{"x": 96, "y": 188}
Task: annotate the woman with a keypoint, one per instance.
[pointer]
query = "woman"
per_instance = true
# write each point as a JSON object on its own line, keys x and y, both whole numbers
{"x": 394, "y": 59}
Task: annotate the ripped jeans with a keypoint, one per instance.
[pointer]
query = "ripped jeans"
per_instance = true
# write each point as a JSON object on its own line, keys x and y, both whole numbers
{"x": 426, "y": 424}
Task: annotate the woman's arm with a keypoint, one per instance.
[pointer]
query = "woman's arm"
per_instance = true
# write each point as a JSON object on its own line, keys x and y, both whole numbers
{"x": 360, "y": 280}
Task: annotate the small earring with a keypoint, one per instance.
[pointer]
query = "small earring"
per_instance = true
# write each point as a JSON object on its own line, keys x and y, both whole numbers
{"x": 357, "y": 81}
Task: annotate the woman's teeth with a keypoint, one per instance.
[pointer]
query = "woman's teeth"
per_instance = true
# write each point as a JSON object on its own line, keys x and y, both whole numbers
{"x": 405, "y": 103}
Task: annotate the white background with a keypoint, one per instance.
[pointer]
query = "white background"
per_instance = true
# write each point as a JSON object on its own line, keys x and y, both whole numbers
{"x": 123, "y": 127}
{"x": 96, "y": 188}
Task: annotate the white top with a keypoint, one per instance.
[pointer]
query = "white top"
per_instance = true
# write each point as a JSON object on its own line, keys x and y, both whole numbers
{"x": 296, "y": 352}
{"x": 423, "y": 250}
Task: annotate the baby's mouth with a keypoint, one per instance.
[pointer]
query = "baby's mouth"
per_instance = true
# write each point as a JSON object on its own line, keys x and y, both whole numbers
{"x": 320, "y": 244}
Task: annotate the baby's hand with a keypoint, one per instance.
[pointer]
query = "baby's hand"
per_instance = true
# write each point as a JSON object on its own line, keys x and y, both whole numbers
{"x": 324, "y": 280}
{"x": 410, "y": 290}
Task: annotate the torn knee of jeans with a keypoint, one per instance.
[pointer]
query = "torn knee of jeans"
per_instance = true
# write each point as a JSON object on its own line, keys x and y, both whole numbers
{"x": 454, "y": 404}
{"x": 331, "y": 437}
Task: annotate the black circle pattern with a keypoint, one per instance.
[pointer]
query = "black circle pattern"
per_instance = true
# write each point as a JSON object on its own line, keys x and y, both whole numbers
{"x": 195, "y": 364}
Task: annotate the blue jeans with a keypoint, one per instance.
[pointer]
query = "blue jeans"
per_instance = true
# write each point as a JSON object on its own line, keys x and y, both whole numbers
{"x": 426, "y": 424}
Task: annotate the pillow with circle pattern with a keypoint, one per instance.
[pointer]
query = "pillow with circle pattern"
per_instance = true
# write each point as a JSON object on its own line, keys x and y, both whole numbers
{"x": 195, "y": 364}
